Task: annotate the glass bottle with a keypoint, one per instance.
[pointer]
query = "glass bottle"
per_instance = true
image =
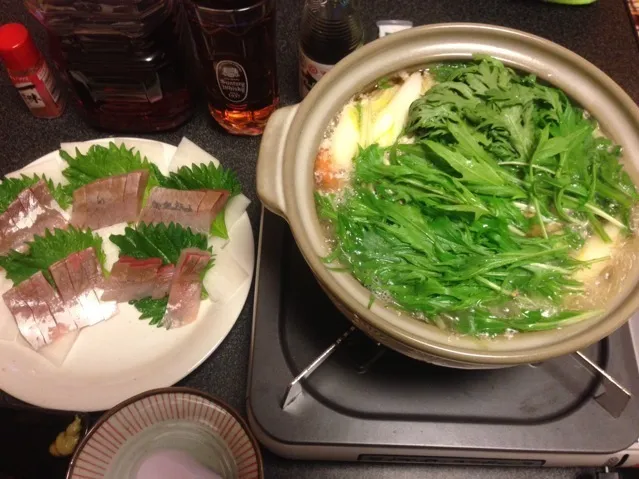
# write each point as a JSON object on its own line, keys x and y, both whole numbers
{"x": 235, "y": 41}
{"x": 123, "y": 59}
{"x": 330, "y": 30}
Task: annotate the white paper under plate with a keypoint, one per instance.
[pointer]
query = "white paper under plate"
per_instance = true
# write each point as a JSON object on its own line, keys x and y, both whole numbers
{"x": 121, "y": 357}
{"x": 188, "y": 153}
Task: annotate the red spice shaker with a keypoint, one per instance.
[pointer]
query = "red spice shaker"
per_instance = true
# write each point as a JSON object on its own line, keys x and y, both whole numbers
{"x": 29, "y": 72}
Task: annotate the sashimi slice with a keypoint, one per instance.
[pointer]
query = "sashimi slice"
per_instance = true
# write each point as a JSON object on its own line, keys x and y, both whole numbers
{"x": 186, "y": 288}
{"x": 83, "y": 273}
{"x": 225, "y": 278}
{"x": 70, "y": 299}
{"x": 50, "y": 206}
{"x": 32, "y": 294}
{"x": 95, "y": 280}
{"x": 48, "y": 297}
{"x": 163, "y": 281}
{"x": 188, "y": 154}
{"x": 108, "y": 201}
{"x": 114, "y": 201}
{"x": 167, "y": 206}
{"x": 135, "y": 187}
{"x": 131, "y": 279}
{"x": 213, "y": 202}
{"x": 92, "y": 218}
{"x": 8, "y": 327}
{"x": 24, "y": 318}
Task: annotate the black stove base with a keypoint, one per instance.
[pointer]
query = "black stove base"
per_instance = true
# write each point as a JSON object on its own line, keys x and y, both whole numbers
{"x": 369, "y": 403}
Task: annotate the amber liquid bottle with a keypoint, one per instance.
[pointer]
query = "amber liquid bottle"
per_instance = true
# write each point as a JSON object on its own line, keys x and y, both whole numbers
{"x": 235, "y": 41}
{"x": 123, "y": 61}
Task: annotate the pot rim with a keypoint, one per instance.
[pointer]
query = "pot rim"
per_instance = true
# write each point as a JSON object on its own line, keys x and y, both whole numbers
{"x": 517, "y": 49}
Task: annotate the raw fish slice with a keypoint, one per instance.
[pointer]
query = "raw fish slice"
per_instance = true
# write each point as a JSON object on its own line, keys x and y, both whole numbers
{"x": 144, "y": 277}
{"x": 213, "y": 202}
{"x": 176, "y": 206}
{"x": 6, "y": 231}
{"x": 20, "y": 223}
{"x": 110, "y": 201}
{"x": 24, "y": 318}
{"x": 184, "y": 303}
{"x": 104, "y": 197}
{"x": 33, "y": 294}
{"x": 116, "y": 282}
{"x": 27, "y": 217}
{"x": 20, "y": 216}
{"x": 94, "y": 208}
{"x": 30, "y": 205}
{"x": 131, "y": 279}
{"x": 64, "y": 318}
{"x": 70, "y": 299}
{"x": 95, "y": 282}
{"x": 41, "y": 215}
{"x": 80, "y": 208}
{"x": 113, "y": 196}
{"x": 93, "y": 310}
{"x": 163, "y": 281}
{"x": 8, "y": 328}
{"x": 43, "y": 195}
{"x": 135, "y": 187}
{"x": 44, "y": 292}
{"x": 186, "y": 288}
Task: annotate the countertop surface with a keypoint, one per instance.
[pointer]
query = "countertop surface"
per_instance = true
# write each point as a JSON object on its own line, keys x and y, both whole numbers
{"x": 601, "y": 32}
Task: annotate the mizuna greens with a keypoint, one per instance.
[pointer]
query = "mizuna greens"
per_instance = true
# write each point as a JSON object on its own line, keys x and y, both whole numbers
{"x": 472, "y": 219}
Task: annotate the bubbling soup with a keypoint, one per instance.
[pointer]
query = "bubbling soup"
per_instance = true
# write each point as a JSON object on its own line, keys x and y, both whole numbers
{"x": 478, "y": 199}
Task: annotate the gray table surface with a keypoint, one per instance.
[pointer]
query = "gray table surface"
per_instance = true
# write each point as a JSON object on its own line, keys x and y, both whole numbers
{"x": 602, "y": 33}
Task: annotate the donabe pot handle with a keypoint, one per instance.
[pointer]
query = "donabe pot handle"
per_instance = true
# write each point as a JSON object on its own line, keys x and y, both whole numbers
{"x": 270, "y": 162}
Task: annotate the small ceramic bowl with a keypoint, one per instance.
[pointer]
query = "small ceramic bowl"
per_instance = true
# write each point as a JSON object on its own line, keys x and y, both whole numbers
{"x": 180, "y": 419}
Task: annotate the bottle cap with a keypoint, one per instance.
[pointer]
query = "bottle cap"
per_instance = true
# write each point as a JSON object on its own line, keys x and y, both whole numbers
{"x": 17, "y": 50}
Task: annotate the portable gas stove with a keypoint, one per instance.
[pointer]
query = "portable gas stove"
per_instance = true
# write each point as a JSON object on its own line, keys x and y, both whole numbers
{"x": 319, "y": 389}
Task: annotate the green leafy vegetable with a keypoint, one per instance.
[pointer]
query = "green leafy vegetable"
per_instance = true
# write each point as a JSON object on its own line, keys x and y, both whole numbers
{"x": 102, "y": 162}
{"x": 152, "y": 309}
{"x": 158, "y": 241}
{"x": 46, "y": 250}
{"x": 206, "y": 177}
{"x": 475, "y": 225}
{"x": 203, "y": 177}
{"x": 10, "y": 188}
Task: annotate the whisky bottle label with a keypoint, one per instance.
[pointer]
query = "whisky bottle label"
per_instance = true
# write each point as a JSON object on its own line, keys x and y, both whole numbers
{"x": 232, "y": 80}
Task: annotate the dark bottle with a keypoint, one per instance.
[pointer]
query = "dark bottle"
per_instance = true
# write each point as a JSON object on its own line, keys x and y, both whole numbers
{"x": 330, "y": 30}
{"x": 235, "y": 41}
{"x": 124, "y": 60}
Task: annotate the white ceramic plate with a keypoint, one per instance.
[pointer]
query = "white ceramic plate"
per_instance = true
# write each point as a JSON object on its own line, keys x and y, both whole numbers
{"x": 124, "y": 356}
